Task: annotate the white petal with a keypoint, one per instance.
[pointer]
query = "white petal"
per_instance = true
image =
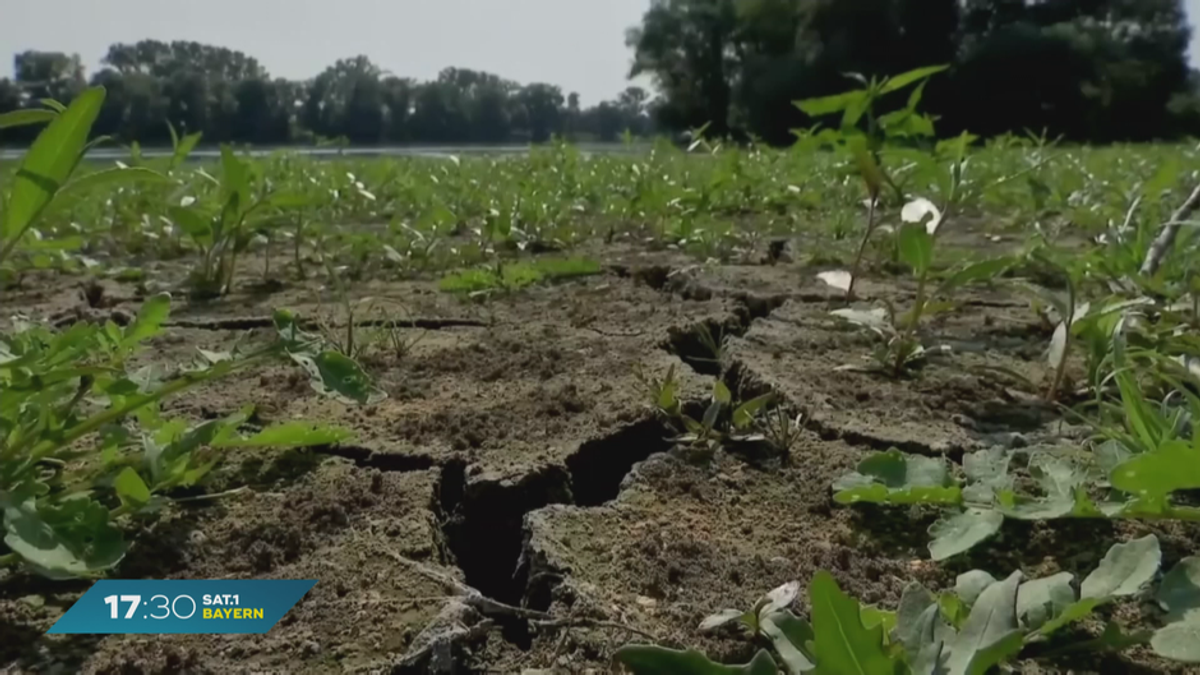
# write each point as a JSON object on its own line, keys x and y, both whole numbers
{"x": 187, "y": 201}
{"x": 839, "y": 279}
{"x": 918, "y": 210}
{"x": 1058, "y": 345}
{"x": 1081, "y": 311}
{"x": 875, "y": 319}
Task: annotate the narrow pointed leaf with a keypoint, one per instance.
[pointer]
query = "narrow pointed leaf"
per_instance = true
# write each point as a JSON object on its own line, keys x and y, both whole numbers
{"x": 50, "y": 161}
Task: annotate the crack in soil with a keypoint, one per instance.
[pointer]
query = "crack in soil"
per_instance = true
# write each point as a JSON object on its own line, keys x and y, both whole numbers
{"x": 600, "y": 466}
{"x": 691, "y": 343}
{"x": 484, "y": 528}
{"x": 483, "y": 523}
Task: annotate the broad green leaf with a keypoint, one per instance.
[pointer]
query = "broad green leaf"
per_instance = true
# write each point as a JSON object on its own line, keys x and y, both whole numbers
{"x": 996, "y": 653}
{"x": 1179, "y": 592}
{"x": 992, "y": 621}
{"x": 986, "y": 270}
{"x": 653, "y": 660}
{"x": 828, "y": 105}
{"x": 896, "y": 478}
{"x": 20, "y": 118}
{"x": 721, "y": 393}
{"x": 193, "y": 223}
{"x": 744, "y": 415}
{"x": 170, "y": 457}
{"x": 1179, "y": 641}
{"x": 958, "y": 534}
{"x": 184, "y": 148}
{"x": 842, "y": 645}
{"x": 290, "y": 435}
{"x": 868, "y": 168}
{"x": 970, "y": 585}
{"x": 235, "y": 182}
{"x": 791, "y": 637}
{"x": 916, "y": 247}
{"x": 333, "y": 373}
{"x": 1070, "y": 615}
{"x": 72, "y": 538}
{"x": 107, "y": 177}
{"x": 905, "y": 79}
{"x": 1125, "y": 569}
{"x": 50, "y": 161}
{"x": 914, "y": 600}
{"x": 149, "y": 321}
{"x": 879, "y": 494}
{"x": 1174, "y": 466}
{"x": 1040, "y": 600}
{"x": 131, "y": 488}
{"x": 988, "y": 471}
{"x": 897, "y": 470}
{"x": 873, "y": 616}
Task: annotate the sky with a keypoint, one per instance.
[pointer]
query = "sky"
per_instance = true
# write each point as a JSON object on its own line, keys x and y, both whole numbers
{"x": 576, "y": 44}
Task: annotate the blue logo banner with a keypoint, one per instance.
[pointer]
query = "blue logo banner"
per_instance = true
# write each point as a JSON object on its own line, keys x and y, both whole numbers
{"x": 182, "y": 606}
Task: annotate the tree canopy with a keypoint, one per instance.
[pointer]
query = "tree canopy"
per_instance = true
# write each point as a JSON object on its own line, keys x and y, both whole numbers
{"x": 1097, "y": 70}
{"x": 1089, "y": 70}
{"x": 229, "y": 96}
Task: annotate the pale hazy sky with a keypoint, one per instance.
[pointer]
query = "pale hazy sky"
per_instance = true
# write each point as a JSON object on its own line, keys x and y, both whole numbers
{"x": 577, "y": 44}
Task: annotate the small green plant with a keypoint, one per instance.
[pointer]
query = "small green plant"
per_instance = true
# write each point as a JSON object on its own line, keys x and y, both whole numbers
{"x": 865, "y": 132}
{"x": 83, "y": 441}
{"x": 902, "y": 347}
{"x": 983, "y": 623}
{"x": 66, "y": 391}
{"x": 1133, "y": 473}
{"x": 224, "y": 227}
{"x": 515, "y": 276}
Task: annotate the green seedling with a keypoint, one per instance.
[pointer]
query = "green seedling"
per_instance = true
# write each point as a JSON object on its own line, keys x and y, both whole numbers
{"x": 223, "y": 228}
{"x": 663, "y": 394}
{"x": 66, "y": 391}
{"x": 722, "y": 422}
{"x": 984, "y": 623}
{"x": 1132, "y": 474}
{"x": 864, "y": 132}
{"x": 516, "y": 276}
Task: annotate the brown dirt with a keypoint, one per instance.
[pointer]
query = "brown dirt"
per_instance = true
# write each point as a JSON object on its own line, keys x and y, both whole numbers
{"x": 516, "y": 453}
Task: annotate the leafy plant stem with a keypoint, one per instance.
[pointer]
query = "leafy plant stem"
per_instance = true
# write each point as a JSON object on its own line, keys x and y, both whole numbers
{"x": 862, "y": 247}
{"x": 1060, "y": 369}
{"x": 135, "y": 402}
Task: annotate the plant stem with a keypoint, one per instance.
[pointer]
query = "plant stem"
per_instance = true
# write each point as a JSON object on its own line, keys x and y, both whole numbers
{"x": 9, "y": 559}
{"x": 1060, "y": 369}
{"x": 862, "y": 246}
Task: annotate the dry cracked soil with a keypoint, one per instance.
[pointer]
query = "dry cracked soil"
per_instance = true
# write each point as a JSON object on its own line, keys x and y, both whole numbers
{"x": 516, "y": 463}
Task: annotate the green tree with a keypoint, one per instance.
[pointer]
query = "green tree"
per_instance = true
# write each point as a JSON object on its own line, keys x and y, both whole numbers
{"x": 688, "y": 48}
{"x": 543, "y": 108}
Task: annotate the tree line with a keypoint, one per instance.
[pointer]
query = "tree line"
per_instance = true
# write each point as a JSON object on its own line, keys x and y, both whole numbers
{"x": 230, "y": 97}
{"x": 1089, "y": 70}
